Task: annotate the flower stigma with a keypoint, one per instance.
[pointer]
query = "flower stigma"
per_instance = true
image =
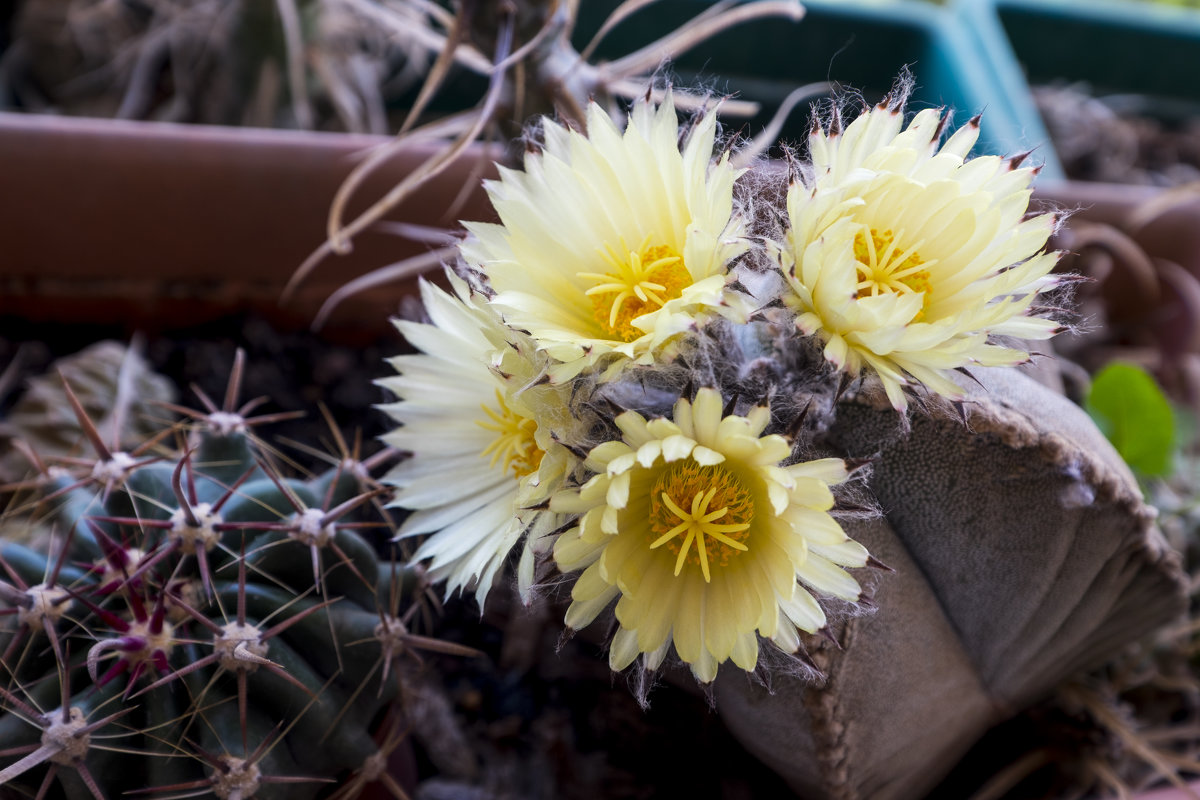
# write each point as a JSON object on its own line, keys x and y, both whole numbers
{"x": 514, "y": 442}
{"x": 638, "y": 284}
{"x": 685, "y": 505}
{"x": 884, "y": 268}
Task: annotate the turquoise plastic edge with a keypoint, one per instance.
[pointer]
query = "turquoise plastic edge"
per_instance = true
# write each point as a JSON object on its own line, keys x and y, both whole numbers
{"x": 970, "y": 39}
{"x": 980, "y": 42}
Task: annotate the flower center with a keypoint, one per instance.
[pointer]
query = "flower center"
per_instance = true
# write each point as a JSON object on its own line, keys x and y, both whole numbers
{"x": 705, "y": 506}
{"x": 884, "y": 268}
{"x": 514, "y": 442}
{"x": 637, "y": 284}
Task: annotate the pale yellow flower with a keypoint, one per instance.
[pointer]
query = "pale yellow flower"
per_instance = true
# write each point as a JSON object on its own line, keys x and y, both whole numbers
{"x": 613, "y": 243}
{"x": 910, "y": 259}
{"x": 480, "y": 461}
{"x": 707, "y": 541}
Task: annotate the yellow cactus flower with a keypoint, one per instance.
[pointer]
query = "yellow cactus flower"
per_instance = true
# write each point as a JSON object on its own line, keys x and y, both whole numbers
{"x": 611, "y": 244}
{"x": 705, "y": 537}
{"x": 479, "y": 459}
{"x": 910, "y": 259}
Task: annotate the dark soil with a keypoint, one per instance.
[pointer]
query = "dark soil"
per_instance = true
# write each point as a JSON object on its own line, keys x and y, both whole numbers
{"x": 296, "y": 371}
{"x": 1121, "y": 138}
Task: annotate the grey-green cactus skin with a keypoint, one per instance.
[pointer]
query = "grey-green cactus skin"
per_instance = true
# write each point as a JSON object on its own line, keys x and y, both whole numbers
{"x": 208, "y": 624}
{"x": 1022, "y": 553}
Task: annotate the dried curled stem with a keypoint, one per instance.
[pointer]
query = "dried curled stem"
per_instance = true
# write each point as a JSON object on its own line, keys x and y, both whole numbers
{"x": 545, "y": 67}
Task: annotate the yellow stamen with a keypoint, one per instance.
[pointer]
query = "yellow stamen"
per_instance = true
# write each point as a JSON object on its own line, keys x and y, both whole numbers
{"x": 638, "y": 284}
{"x": 514, "y": 440}
{"x": 685, "y": 503}
{"x": 884, "y": 268}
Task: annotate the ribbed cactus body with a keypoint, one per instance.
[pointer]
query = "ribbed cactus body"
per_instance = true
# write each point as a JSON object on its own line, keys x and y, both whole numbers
{"x": 233, "y": 621}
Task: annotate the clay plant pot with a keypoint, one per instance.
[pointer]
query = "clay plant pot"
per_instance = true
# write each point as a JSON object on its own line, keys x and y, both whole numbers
{"x": 1022, "y": 553}
{"x": 155, "y": 225}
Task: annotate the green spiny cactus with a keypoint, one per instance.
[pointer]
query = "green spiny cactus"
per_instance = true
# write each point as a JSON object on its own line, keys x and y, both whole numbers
{"x": 198, "y": 622}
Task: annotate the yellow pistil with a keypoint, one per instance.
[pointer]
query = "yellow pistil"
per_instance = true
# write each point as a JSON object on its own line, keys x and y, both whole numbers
{"x": 637, "y": 284}
{"x": 514, "y": 439}
{"x": 884, "y": 268}
{"x": 685, "y": 504}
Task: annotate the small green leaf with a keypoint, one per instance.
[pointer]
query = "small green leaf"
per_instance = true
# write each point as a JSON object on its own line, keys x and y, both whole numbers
{"x": 1133, "y": 413}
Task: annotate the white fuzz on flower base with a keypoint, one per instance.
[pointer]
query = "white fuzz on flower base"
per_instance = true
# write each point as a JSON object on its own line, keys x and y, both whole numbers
{"x": 909, "y": 259}
{"x": 479, "y": 459}
{"x": 613, "y": 243}
{"x": 707, "y": 541}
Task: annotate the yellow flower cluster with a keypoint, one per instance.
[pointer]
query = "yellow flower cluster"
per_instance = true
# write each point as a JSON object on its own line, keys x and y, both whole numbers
{"x": 553, "y": 400}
